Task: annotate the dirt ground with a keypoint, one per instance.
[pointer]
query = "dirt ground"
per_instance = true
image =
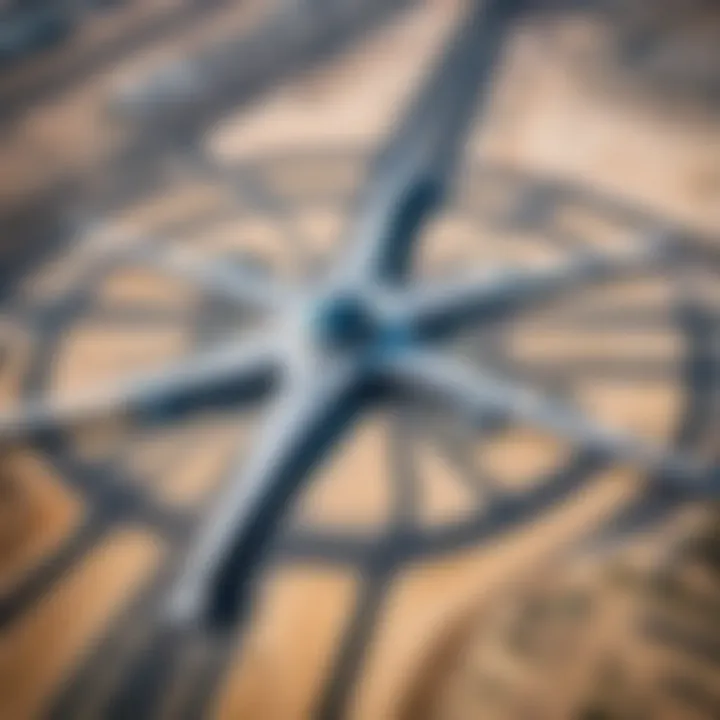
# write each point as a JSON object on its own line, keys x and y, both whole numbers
{"x": 555, "y": 113}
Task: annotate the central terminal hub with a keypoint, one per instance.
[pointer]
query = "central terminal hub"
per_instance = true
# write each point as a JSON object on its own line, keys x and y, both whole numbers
{"x": 346, "y": 321}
